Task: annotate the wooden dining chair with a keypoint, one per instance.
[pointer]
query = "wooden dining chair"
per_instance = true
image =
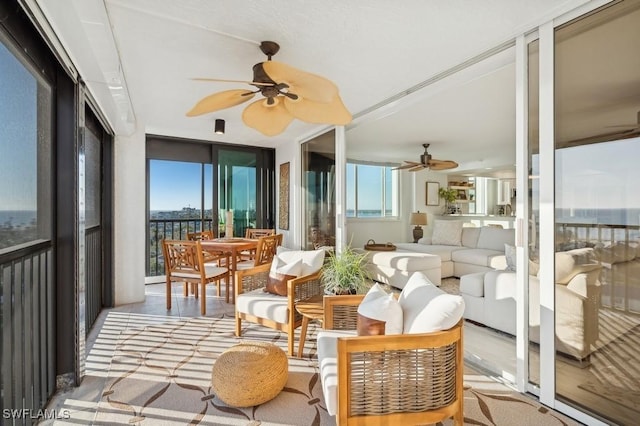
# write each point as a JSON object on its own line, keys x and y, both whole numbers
{"x": 253, "y": 233}
{"x": 217, "y": 258}
{"x": 184, "y": 262}
{"x": 265, "y": 251}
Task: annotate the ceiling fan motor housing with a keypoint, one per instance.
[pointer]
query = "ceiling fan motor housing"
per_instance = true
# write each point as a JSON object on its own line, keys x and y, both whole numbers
{"x": 425, "y": 158}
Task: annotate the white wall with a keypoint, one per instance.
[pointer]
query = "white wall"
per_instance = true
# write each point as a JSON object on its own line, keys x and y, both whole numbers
{"x": 129, "y": 218}
{"x": 289, "y": 152}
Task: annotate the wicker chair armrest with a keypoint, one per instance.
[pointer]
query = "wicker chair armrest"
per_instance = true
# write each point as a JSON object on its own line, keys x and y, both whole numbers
{"x": 305, "y": 287}
{"x": 405, "y": 374}
{"x": 250, "y": 279}
{"x": 341, "y": 312}
{"x": 383, "y": 343}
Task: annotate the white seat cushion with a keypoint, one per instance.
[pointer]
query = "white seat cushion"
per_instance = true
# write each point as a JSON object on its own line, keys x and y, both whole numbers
{"x": 473, "y": 284}
{"x": 477, "y": 256}
{"x": 263, "y": 305}
{"x": 210, "y": 272}
{"x": 328, "y": 365}
{"x": 426, "y": 308}
{"x": 443, "y": 252}
{"x": 405, "y": 260}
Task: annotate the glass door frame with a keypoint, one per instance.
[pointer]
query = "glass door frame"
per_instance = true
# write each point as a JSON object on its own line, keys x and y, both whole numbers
{"x": 546, "y": 391}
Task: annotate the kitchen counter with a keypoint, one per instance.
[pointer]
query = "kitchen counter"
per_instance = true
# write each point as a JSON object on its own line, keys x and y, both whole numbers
{"x": 481, "y": 219}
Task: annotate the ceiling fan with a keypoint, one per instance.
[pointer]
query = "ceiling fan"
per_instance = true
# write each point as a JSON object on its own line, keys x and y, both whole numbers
{"x": 628, "y": 131}
{"x": 427, "y": 162}
{"x": 631, "y": 127}
{"x": 288, "y": 93}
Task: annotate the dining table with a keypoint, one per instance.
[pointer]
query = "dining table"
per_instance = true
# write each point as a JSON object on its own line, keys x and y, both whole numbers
{"x": 231, "y": 247}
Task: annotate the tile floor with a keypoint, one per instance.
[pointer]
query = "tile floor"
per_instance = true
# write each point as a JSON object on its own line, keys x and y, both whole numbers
{"x": 81, "y": 402}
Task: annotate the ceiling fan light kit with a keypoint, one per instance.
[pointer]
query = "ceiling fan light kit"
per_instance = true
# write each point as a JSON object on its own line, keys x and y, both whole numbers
{"x": 289, "y": 93}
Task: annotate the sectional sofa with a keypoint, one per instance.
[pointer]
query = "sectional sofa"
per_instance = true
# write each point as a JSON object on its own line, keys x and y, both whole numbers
{"x": 451, "y": 251}
{"x": 490, "y": 298}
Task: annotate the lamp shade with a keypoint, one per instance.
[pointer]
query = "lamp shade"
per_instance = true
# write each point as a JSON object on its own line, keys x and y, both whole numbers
{"x": 418, "y": 218}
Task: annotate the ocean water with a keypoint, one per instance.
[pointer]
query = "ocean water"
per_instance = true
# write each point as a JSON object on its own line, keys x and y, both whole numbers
{"x": 17, "y": 217}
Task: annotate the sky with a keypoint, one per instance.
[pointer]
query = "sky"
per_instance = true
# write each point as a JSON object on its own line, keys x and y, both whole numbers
{"x": 176, "y": 184}
{"x": 18, "y": 130}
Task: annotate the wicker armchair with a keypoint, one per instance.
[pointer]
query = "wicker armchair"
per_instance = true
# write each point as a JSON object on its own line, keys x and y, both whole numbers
{"x": 255, "y": 305}
{"x": 394, "y": 379}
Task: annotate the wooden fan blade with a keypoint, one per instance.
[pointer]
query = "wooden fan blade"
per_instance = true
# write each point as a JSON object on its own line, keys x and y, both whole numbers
{"x": 270, "y": 120}
{"x": 309, "y": 86}
{"x": 407, "y": 166}
{"x": 307, "y": 110}
{"x": 253, "y": 83}
{"x": 220, "y": 100}
{"x": 442, "y": 164}
{"x": 416, "y": 168}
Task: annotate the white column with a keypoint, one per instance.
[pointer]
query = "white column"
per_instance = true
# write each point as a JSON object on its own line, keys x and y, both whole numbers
{"x": 129, "y": 217}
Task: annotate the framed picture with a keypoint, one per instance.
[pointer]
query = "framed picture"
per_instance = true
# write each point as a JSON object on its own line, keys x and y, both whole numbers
{"x": 462, "y": 194}
{"x": 283, "y": 201}
{"x": 432, "y": 197}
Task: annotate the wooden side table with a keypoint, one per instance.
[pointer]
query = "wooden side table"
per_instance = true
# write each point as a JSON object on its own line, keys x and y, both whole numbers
{"x": 310, "y": 309}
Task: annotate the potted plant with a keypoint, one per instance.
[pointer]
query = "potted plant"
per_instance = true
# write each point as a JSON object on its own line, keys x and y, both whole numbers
{"x": 449, "y": 195}
{"x": 345, "y": 272}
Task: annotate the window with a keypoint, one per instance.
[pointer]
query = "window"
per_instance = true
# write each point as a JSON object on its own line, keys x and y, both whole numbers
{"x": 372, "y": 190}
{"x": 25, "y": 160}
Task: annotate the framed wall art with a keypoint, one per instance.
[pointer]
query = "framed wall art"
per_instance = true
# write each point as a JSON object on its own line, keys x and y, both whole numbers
{"x": 283, "y": 201}
{"x": 432, "y": 197}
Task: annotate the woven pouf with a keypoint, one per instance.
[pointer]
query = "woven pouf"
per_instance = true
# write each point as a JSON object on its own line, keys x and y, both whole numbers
{"x": 249, "y": 373}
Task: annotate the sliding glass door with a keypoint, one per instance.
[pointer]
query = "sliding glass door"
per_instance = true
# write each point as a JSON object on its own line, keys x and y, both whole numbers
{"x": 319, "y": 192}
{"x": 237, "y": 191}
{"x": 193, "y": 186}
{"x": 597, "y": 212}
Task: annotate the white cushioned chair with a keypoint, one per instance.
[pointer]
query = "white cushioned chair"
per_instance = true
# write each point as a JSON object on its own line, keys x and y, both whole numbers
{"x": 255, "y": 304}
{"x": 411, "y": 378}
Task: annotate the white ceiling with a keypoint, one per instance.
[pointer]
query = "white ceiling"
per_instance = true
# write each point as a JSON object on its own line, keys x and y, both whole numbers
{"x": 138, "y": 58}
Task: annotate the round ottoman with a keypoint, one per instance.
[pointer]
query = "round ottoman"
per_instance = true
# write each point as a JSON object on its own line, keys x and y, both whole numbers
{"x": 249, "y": 373}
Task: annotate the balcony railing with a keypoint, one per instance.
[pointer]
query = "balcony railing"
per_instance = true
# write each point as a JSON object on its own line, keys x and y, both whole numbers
{"x": 617, "y": 249}
{"x": 177, "y": 229}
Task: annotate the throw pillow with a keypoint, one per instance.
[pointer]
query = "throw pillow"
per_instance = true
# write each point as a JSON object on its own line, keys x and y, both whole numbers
{"x": 379, "y": 313}
{"x": 312, "y": 260}
{"x": 510, "y": 254}
{"x": 426, "y": 308}
{"x": 447, "y": 233}
{"x": 277, "y": 284}
{"x": 279, "y": 275}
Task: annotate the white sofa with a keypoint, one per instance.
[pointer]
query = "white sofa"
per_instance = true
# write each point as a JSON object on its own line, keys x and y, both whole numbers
{"x": 460, "y": 251}
{"x": 490, "y": 299}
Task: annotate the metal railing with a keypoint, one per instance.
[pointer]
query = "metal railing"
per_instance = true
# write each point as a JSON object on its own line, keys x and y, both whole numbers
{"x": 177, "y": 229}
{"x": 617, "y": 249}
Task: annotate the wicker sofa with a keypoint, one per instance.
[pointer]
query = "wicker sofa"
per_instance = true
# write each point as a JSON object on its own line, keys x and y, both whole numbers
{"x": 414, "y": 377}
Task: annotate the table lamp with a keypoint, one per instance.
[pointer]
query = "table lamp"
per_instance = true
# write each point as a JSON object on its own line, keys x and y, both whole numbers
{"x": 418, "y": 219}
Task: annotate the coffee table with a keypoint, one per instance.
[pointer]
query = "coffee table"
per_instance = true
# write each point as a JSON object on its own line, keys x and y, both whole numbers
{"x": 310, "y": 309}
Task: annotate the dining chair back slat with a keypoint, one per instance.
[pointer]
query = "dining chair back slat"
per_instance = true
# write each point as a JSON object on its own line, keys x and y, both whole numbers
{"x": 185, "y": 262}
